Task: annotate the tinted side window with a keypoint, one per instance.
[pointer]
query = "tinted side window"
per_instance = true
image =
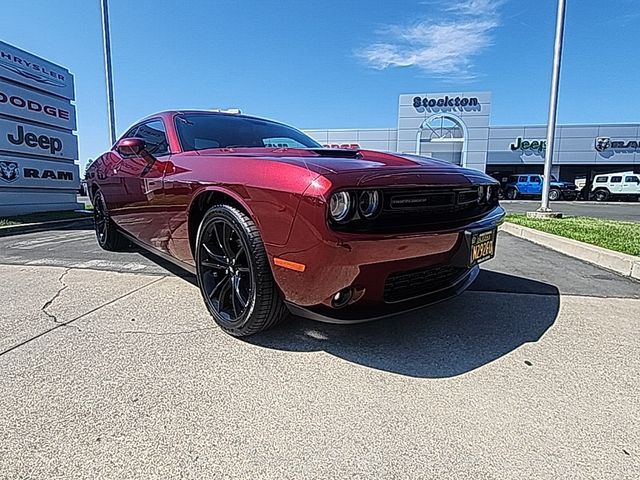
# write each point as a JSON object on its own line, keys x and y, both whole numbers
{"x": 522, "y": 179}
{"x": 534, "y": 179}
{"x": 513, "y": 179}
{"x": 631, "y": 179}
{"x": 601, "y": 179}
{"x": 616, "y": 179}
{"x": 155, "y": 136}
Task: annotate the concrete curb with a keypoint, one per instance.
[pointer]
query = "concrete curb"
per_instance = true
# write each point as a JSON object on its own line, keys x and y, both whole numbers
{"x": 40, "y": 226}
{"x": 627, "y": 265}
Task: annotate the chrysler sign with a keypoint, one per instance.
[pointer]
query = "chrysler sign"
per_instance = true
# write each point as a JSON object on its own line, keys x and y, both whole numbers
{"x": 27, "y": 69}
{"x": 25, "y": 138}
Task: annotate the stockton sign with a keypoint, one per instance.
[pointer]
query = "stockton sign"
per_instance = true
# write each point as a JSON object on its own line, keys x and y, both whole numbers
{"x": 523, "y": 145}
{"x": 446, "y": 103}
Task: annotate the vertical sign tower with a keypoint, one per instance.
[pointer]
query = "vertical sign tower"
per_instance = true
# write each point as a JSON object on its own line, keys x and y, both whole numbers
{"x": 38, "y": 147}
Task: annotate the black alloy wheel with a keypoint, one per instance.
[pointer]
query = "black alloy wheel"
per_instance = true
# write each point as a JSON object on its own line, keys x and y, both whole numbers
{"x": 234, "y": 275}
{"x": 108, "y": 236}
{"x": 554, "y": 194}
{"x": 512, "y": 194}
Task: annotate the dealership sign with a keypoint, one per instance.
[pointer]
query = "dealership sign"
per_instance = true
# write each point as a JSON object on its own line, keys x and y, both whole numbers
{"x": 21, "y": 102}
{"x": 446, "y": 103}
{"x": 27, "y": 69}
{"x": 29, "y": 173}
{"x": 528, "y": 145}
{"x": 603, "y": 144}
{"x": 22, "y": 137}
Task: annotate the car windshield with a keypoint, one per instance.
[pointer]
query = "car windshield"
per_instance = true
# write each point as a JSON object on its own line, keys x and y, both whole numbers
{"x": 201, "y": 131}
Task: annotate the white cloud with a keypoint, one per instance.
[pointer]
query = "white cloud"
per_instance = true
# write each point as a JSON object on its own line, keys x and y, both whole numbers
{"x": 442, "y": 48}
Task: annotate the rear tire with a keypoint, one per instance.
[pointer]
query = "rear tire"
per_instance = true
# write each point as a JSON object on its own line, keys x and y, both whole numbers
{"x": 108, "y": 236}
{"x": 234, "y": 275}
{"x": 601, "y": 195}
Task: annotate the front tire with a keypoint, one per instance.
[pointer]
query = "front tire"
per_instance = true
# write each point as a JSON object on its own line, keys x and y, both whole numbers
{"x": 108, "y": 236}
{"x": 554, "y": 194}
{"x": 234, "y": 275}
{"x": 512, "y": 194}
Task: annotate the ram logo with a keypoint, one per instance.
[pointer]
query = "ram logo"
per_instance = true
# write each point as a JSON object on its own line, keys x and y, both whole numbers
{"x": 602, "y": 143}
{"x": 9, "y": 171}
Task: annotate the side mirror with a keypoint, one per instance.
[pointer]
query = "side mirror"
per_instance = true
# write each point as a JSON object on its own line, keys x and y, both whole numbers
{"x": 130, "y": 146}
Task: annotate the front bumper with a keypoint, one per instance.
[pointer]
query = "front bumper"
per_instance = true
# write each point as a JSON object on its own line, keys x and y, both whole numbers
{"x": 335, "y": 261}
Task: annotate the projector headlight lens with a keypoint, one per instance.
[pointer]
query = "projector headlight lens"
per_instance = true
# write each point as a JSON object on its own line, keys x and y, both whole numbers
{"x": 369, "y": 203}
{"x": 340, "y": 206}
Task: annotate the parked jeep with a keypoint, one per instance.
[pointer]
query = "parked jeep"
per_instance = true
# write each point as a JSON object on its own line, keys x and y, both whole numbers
{"x": 529, "y": 185}
{"x": 618, "y": 186}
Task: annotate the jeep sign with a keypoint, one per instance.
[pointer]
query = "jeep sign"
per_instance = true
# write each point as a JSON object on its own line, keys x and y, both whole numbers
{"x": 37, "y": 141}
{"x": 28, "y": 173}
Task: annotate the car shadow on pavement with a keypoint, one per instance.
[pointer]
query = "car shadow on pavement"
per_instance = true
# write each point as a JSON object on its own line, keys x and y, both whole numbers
{"x": 496, "y": 316}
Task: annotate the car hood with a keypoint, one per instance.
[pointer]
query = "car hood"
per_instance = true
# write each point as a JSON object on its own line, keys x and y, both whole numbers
{"x": 365, "y": 167}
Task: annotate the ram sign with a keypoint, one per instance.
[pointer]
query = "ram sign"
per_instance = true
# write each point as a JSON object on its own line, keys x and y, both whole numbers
{"x": 38, "y": 148}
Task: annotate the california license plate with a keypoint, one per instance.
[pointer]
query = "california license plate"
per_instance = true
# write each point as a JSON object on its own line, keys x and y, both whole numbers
{"x": 483, "y": 246}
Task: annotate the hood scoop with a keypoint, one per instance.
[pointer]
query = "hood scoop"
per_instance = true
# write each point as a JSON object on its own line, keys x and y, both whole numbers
{"x": 337, "y": 153}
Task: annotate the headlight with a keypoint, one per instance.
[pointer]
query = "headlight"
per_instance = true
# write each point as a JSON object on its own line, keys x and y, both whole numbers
{"x": 481, "y": 193}
{"x": 490, "y": 189}
{"x": 340, "y": 206}
{"x": 369, "y": 203}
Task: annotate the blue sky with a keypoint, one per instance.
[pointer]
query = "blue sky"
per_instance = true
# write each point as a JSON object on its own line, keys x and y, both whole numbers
{"x": 334, "y": 63}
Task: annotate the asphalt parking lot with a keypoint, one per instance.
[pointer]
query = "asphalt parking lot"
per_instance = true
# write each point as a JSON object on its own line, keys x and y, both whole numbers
{"x": 111, "y": 368}
{"x": 623, "y": 211}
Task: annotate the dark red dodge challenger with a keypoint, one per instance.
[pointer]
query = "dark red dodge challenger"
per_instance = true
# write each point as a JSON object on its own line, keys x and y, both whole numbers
{"x": 271, "y": 222}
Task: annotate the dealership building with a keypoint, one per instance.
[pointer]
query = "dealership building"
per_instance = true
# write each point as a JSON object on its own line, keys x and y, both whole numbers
{"x": 456, "y": 127}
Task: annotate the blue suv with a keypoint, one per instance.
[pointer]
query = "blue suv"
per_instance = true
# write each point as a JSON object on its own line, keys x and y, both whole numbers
{"x": 529, "y": 185}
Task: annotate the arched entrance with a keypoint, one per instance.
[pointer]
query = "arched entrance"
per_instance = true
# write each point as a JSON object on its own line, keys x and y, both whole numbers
{"x": 443, "y": 136}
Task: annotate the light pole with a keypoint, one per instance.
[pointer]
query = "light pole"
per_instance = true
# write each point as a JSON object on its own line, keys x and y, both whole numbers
{"x": 553, "y": 106}
{"x": 106, "y": 40}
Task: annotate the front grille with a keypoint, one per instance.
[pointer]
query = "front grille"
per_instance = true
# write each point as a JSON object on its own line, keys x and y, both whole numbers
{"x": 423, "y": 209}
{"x": 414, "y": 283}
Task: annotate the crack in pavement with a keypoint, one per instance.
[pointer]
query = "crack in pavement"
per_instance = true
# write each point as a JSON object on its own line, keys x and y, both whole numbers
{"x": 57, "y": 294}
{"x": 68, "y": 322}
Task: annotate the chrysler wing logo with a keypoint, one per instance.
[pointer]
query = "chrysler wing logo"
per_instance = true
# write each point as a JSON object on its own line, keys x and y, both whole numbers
{"x": 31, "y": 74}
{"x": 602, "y": 143}
{"x": 9, "y": 171}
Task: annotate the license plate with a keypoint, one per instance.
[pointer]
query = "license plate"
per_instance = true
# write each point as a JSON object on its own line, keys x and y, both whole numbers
{"x": 483, "y": 246}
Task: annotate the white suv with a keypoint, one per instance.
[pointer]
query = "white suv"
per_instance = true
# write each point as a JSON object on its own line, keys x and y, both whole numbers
{"x": 616, "y": 185}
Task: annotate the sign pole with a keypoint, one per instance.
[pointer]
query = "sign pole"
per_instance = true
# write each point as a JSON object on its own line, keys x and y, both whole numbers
{"x": 553, "y": 106}
{"x": 106, "y": 40}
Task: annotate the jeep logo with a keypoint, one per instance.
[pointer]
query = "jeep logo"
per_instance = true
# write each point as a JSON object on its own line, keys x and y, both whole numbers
{"x": 534, "y": 145}
{"x": 52, "y": 144}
